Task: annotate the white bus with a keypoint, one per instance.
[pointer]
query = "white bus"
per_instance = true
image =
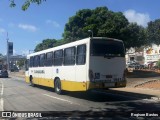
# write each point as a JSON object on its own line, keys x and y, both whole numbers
{"x": 90, "y": 63}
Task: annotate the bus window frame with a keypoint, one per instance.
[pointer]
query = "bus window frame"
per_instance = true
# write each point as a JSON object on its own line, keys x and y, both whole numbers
{"x": 70, "y": 57}
{"x": 55, "y": 58}
{"x": 83, "y": 55}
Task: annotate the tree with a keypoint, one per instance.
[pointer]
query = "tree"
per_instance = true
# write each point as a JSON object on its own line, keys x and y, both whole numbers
{"x": 77, "y": 26}
{"x": 47, "y": 43}
{"x": 158, "y": 64}
{"x": 104, "y": 23}
{"x": 153, "y": 31}
{"x": 134, "y": 36}
{"x": 26, "y": 3}
{"x": 100, "y": 20}
{"x": 21, "y": 63}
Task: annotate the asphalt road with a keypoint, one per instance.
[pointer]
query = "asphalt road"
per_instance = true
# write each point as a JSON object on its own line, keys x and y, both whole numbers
{"x": 16, "y": 95}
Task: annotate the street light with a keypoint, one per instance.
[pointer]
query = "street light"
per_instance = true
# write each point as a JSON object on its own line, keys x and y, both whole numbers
{"x": 91, "y": 32}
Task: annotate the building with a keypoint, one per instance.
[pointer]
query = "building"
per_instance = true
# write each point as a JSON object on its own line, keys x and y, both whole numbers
{"x": 151, "y": 54}
{"x": 148, "y": 55}
{"x": 13, "y": 59}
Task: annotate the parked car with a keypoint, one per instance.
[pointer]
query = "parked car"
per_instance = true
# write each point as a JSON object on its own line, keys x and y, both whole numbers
{"x": 4, "y": 73}
{"x": 135, "y": 66}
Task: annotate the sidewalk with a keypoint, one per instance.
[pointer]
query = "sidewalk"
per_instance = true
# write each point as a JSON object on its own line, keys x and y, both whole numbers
{"x": 145, "y": 91}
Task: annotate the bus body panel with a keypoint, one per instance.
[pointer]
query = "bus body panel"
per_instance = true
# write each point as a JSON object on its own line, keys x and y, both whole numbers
{"x": 73, "y": 77}
{"x": 109, "y": 71}
{"x": 77, "y": 77}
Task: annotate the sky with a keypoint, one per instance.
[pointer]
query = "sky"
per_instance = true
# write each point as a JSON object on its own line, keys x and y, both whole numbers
{"x": 28, "y": 28}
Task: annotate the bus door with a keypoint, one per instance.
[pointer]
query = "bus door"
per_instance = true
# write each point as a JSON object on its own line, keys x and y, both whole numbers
{"x": 81, "y": 67}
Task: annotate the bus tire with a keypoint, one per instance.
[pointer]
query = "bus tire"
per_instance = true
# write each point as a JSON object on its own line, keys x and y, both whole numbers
{"x": 57, "y": 86}
{"x": 31, "y": 81}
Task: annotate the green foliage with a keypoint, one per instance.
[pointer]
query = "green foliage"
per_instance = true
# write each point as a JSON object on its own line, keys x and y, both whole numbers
{"x": 158, "y": 64}
{"x": 61, "y": 42}
{"x": 134, "y": 35}
{"x": 104, "y": 23}
{"x": 153, "y": 32}
{"x": 76, "y": 27}
{"x": 26, "y": 3}
{"x": 47, "y": 43}
{"x": 21, "y": 63}
{"x": 101, "y": 21}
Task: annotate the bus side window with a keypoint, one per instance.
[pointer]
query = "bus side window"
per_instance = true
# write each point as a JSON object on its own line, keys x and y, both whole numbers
{"x": 26, "y": 64}
{"x": 49, "y": 59}
{"x": 31, "y": 61}
{"x": 81, "y": 54}
{"x": 58, "y": 57}
{"x": 42, "y": 59}
{"x": 69, "y": 56}
{"x": 36, "y": 61}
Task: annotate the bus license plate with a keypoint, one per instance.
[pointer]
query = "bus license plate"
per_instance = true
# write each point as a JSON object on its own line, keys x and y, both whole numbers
{"x": 109, "y": 84}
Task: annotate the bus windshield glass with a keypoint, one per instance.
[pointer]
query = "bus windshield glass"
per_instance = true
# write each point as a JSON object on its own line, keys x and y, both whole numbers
{"x": 107, "y": 48}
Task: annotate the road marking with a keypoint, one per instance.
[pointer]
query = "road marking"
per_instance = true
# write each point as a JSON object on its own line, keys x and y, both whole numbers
{"x": 60, "y": 99}
{"x": 2, "y": 89}
{"x": 1, "y": 99}
{"x": 1, "y": 104}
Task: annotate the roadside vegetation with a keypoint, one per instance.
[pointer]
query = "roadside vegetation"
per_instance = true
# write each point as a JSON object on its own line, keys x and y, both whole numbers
{"x": 158, "y": 64}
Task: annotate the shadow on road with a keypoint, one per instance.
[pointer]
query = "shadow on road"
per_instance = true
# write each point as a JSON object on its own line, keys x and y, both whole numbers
{"x": 109, "y": 96}
{"x": 102, "y": 95}
{"x": 116, "y": 104}
{"x": 142, "y": 74}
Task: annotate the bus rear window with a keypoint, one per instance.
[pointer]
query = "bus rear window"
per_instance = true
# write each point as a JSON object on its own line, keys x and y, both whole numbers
{"x": 108, "y": 48}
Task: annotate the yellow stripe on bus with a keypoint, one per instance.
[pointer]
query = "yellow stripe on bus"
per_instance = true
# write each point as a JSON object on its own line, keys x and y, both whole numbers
{"x": 65, "y": 84}
{"x": 72, "y": 85}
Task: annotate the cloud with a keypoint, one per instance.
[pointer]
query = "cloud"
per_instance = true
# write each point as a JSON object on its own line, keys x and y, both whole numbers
{"x": 27, "y": 27}
{"x": 139, "y": 18}
{"x": 54, "y": 23}
{"x": 2, "y": 30}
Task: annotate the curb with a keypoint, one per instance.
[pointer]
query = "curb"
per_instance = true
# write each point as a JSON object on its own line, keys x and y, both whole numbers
{"x": 145, "y": 82}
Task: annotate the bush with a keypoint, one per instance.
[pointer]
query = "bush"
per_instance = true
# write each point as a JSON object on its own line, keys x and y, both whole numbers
{"x": 158, "y": 64}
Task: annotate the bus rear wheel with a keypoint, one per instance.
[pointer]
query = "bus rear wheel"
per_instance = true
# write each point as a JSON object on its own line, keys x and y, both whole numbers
{"x": 57, "y": 86}
{"x": 31, "y": 81}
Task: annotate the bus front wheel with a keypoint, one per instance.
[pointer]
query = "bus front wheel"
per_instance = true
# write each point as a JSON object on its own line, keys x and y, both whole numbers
{"x": 57, "y": 86}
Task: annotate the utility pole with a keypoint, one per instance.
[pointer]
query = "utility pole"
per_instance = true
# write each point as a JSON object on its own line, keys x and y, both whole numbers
{"x": 7, "y": 53}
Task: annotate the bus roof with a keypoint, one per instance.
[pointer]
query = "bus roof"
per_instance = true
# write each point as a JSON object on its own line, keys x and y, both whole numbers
{"x": 107, "y": 38}
{"x": 82, "y": 41}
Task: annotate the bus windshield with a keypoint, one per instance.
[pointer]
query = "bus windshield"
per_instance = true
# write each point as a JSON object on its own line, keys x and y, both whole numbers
{"x": 107, "y": 48}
